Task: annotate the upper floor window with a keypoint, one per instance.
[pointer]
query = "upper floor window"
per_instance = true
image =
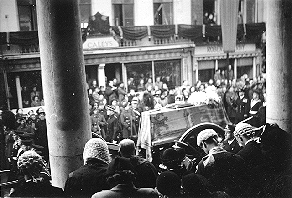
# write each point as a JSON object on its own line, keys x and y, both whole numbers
{"x": 163, "y": 12}
{"x": 209, "y": 12}
{"x": 27, "y": 15}
{"x": 85, "y": 12}
{"x": 123, "y": 12}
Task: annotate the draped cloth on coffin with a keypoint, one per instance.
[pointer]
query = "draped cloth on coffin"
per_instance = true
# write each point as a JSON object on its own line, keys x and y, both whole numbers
{"x": 167, "y": 125}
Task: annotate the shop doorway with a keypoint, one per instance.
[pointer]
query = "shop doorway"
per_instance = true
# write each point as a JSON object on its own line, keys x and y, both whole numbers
{"x": 113, "y": 70}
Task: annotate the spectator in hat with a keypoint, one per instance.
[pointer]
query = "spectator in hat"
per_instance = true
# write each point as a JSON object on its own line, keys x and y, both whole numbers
{"x": 121, "y": 177}
{"x": 251, "y": 151}
{"x": 242, "y": 106}
{"x": 98, "y": 123}
{"x": 113, "y": 125}
{"x": 255, "y": 103}
{"x": 34, "y": 182}
{"x": 229, "y": 143}
{"x": 90, "y": 178}
{"x": 41, "y": 137}
{"x": 224, "y": 170}
{"x": 24, "y": 128}
{"x": 168, "y": 184}
{"x": 146, "y": 172}
{"x": 172, "y": 160}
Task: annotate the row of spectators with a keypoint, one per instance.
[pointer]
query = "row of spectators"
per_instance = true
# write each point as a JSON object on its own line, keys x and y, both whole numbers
{"x": 260, "y": 167}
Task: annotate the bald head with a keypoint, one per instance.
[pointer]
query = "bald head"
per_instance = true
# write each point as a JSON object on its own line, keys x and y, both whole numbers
{"x": 127, "y": 148}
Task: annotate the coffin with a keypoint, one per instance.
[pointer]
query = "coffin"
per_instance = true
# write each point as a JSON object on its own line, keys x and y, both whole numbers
{"x": 168, "y": 124}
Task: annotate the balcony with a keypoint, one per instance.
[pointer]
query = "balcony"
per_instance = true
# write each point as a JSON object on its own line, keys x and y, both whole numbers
{"x": 26, "y": 42}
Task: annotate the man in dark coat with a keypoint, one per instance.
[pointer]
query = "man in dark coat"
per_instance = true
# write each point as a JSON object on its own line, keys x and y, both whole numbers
{"x": 146, "y": 173}
{"x": 242, "y": 107}
{"x": 128, "y": 118}
{"x": 90, "y": 178}
{"x": 41, "y": 137}
{"x": 113, "y": 125}
{"x": 230, "y": 144}
{"x": 110, "y": 92}
{"x": 251, "y": 151}
{"x": 224, "y": 170}
{"x": 121, "y": 177}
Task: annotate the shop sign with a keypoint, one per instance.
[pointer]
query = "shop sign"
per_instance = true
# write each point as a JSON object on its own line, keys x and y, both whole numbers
{"x": 100, "y": 43}
{"x": 218, "y": 49}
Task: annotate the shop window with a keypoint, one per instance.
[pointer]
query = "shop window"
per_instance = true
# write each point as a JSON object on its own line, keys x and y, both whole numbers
{"x": 27, "y": 15}
{"x": 85, "y": 12}
{"x": 169, "y": 69}
{"x": 206, "y": 74}
{"x": 209, "y": 12}
{"x": 163, "y": 13}
{"x": 138, "y": 71}
{"x": 124, "y": 14}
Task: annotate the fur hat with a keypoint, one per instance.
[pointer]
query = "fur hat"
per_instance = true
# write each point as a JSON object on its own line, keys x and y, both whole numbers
{"x": 243, "y": 129}
{"x": 30, "y": 162}
{"x": 205, "y": 134}
{"x": 96, "y": 148}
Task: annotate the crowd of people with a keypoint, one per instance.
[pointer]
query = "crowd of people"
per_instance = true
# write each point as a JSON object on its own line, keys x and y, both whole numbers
{"x": 249, "y": 161}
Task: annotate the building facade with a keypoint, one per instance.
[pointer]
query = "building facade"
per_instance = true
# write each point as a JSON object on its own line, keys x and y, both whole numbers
{"x": 174, "y": 39}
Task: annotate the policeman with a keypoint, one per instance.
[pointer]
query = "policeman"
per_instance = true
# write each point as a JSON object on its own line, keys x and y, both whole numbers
{"x": 230, "y": 144}
{"x": 127, "y": 118}
{"x": 137, "y": 112}
{"x": 98, "y": 123}
{"x": 113, "y": 125}
{"x": 242, "y": 107}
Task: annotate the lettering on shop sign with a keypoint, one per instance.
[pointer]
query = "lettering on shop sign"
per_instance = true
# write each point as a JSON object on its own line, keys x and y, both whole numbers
{"x": 219, "y": 48}
{"x": 98, "y": 43}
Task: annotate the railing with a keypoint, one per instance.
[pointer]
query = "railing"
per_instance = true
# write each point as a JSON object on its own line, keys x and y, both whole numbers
{"x": 15, "y": 43}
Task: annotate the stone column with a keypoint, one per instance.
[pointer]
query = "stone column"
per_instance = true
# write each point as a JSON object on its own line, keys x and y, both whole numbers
{"x": 101, "y": 75}
{"x": 279, "y": 61}
{"x": 18, "y": 90}
{"x": 64, "y": 84}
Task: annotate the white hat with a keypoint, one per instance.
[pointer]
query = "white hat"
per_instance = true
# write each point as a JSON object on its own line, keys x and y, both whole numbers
{"x": 205, "y": 134}
{"x": 243, "y": 128}
{"x": 96, "y": 148}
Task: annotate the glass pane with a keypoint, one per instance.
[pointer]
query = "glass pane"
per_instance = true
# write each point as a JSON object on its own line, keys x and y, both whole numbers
{"x": 24, "y": 13}
{"x": 157, "y": 13}
{"x": 118, "y": 14}
{"x": 139, "y": 71}
{"x": 167, "y": 14}
{"x": 129, "y": 22}
{"x": 205, "y": 75}
{"x": 129, "y": 10}
{"x": 85, "y": 12}
{"x": 169, "y": 69}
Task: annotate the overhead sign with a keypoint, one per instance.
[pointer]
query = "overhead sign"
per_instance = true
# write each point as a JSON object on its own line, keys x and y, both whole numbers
{"x": 100, "y": 43}
{"x": 218, "y": 49}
